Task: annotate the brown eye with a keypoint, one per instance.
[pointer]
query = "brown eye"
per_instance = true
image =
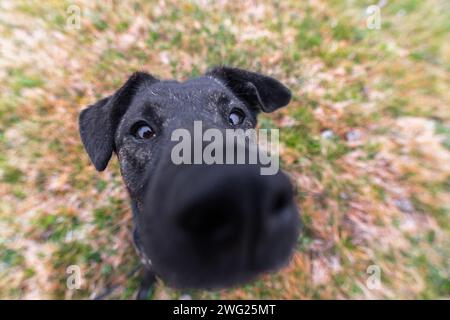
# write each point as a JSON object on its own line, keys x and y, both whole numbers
{"x": 142, "y": 131}
{"x": 236, "y": 117}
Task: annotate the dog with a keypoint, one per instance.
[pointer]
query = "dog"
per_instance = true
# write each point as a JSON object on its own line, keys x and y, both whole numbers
{"x": 199, "y": 225}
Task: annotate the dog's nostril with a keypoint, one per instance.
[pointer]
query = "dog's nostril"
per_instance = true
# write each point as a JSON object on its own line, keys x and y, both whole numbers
{"x": 280, "y": 202}
{"x": 207, "y": 225}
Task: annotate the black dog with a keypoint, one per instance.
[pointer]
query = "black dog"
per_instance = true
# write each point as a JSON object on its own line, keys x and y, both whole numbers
{"x": 200, "y": 225}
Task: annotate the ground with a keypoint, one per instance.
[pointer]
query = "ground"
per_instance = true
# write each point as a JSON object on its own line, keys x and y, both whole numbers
{"x": 366, "y": 139}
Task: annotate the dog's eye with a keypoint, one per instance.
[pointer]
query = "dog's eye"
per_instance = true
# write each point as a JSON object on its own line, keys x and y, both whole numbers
{"x": 142, "y": 131}
{"x": 236, "y": 117}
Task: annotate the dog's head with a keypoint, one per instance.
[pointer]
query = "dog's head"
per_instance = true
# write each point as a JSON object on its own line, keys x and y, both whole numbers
{"x": 201, "y": 225}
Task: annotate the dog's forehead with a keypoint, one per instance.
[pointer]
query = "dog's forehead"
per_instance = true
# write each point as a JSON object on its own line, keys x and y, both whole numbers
{"x": 202, "y": 87}
{"x": 200, "y": 96}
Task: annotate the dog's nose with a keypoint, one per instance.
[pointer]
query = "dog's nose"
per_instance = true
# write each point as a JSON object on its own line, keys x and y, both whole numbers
{"x": 233, "y": 210}
{"x": 217, "y": 225}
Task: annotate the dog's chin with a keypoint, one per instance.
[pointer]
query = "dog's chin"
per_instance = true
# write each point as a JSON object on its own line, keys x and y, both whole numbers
{"x": 196, "y": 275}
{"x": 181, "y": 266}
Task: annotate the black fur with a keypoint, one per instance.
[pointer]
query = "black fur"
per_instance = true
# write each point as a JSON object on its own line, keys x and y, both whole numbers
{"x": 200, "y": 225}
{"x": 98, "y": 122}
{"x": 255, "y": 89}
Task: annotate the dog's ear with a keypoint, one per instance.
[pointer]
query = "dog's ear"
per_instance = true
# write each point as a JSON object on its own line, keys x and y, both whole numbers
{"x": 257, "y": 90}
{"x": 98, "y": 122}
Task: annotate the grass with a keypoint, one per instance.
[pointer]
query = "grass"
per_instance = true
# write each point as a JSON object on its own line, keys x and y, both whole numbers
{"x": 365, "y": 139}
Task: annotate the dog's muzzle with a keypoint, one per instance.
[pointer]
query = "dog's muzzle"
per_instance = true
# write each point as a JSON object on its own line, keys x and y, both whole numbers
{"x": 215, "y": 225}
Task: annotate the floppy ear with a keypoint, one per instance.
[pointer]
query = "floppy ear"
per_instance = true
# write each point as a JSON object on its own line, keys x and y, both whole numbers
{"x": 255, "y": 89}
{"x": 98, "y": 122}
